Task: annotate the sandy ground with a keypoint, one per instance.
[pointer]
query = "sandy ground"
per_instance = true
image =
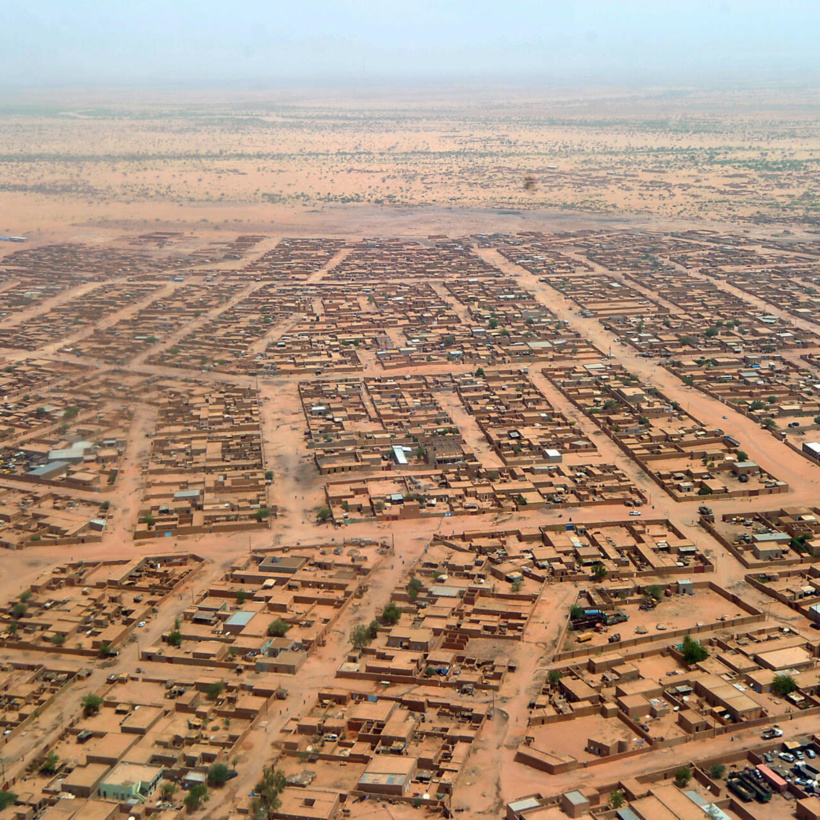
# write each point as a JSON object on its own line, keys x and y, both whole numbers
{"x": 260, "y": 161}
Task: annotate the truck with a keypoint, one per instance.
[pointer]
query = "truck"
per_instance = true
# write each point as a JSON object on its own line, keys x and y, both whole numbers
{"x": 761, "y": 793}
{"x": 736, "y": 786}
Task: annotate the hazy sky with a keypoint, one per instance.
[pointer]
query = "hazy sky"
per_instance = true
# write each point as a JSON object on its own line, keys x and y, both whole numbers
{"x": 62, "y": 42}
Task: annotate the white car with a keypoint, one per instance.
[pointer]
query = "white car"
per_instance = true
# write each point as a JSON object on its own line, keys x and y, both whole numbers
{"x": 634, "y": 512}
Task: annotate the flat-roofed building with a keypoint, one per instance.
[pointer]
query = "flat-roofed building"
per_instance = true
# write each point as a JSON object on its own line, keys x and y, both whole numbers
{"x": 388, "y": 774}
{"x": 84, "y": 780}
{"x": 128, "y": 782}
{"x": 308, "y": 804}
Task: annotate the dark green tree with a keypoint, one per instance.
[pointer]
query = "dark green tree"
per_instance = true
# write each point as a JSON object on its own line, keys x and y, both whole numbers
{"x": 266, "y": 801}
{"x": 196, "y": 797}
{"x": 693, "y": 651}
{"x": 218, "y": 774}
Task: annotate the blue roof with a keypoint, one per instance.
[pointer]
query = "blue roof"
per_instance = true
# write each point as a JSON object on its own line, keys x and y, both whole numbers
{"x": 241, "y": 618}
{"x": 47, "y": 469}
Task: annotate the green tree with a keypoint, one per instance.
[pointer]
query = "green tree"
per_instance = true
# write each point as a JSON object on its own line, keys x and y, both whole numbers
{"x": 757, "y": 404}
{"x": 360, "y": 636}
{"x": 241, "y": 596}
{"x": 218, "y": 774}
{"x": 554, "y": 676}
{"x": 693, "y": 651}
{"x": 480, "y": 373}
{"x": 174, "y": 638}
{"x": 324, "y": 514}
{"x": 783, "y": 685}
{"x": 197, "y": 795}
{"x": 599, "y": 572}
{"x": 391, "y": 614}
{"x": 278, "y": 628}
{"x": 682, "y": 776}
{"x": 716, "y": 771}
{"x": 168, "y": 790}
{"x": 50, "y": 764}
{"x": 7, "y": 799}
{"x": 18, "y": 610}
{"x": 266, "y": 801}
{"x": 214, "y": 690}
{"x": 105, "y": 650}
{"x": 71, "y": 412}
{"x": 414, "y": 587}
{"x": 576, "y": 611}
{"x": 91, "y": 704}
{"x": 617, "y": 799}
{"x": 148, "y": 520}
{"x": 516, "y": 585}
{"x": 742, "y": 455}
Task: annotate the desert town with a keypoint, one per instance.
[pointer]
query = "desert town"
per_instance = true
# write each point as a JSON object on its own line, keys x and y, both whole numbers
{"x": 517, "y": 525}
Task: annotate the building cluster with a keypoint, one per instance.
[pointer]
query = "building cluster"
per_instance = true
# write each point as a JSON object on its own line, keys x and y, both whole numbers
{"x": 379, "y": 424}
{"x": 43, "y": 516}
{"x": 167, "y": 314}
{"x": 352, "y": 746}
{"x": 141, "y": 743}
{"x": 785, "y": 536}
{"x": 435, "y": 381}
{"x": 270, "y": 610}
{"x": 69, "y": 319}
{"x": 92, "y": 609}
{"x": 625, "y": 703}
{"x": 206, "y": 469}
{"x": 686, "y": 458}
{"x": 232, "y": 339}
{"x": 775, "y": 779}
{"x": 292, "y": 260}
{"x": 26, "y": 689}
{"x": 449, "y": 605}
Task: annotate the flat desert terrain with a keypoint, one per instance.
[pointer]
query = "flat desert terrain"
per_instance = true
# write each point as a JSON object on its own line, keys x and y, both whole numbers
{"x": 746, "y": 156}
